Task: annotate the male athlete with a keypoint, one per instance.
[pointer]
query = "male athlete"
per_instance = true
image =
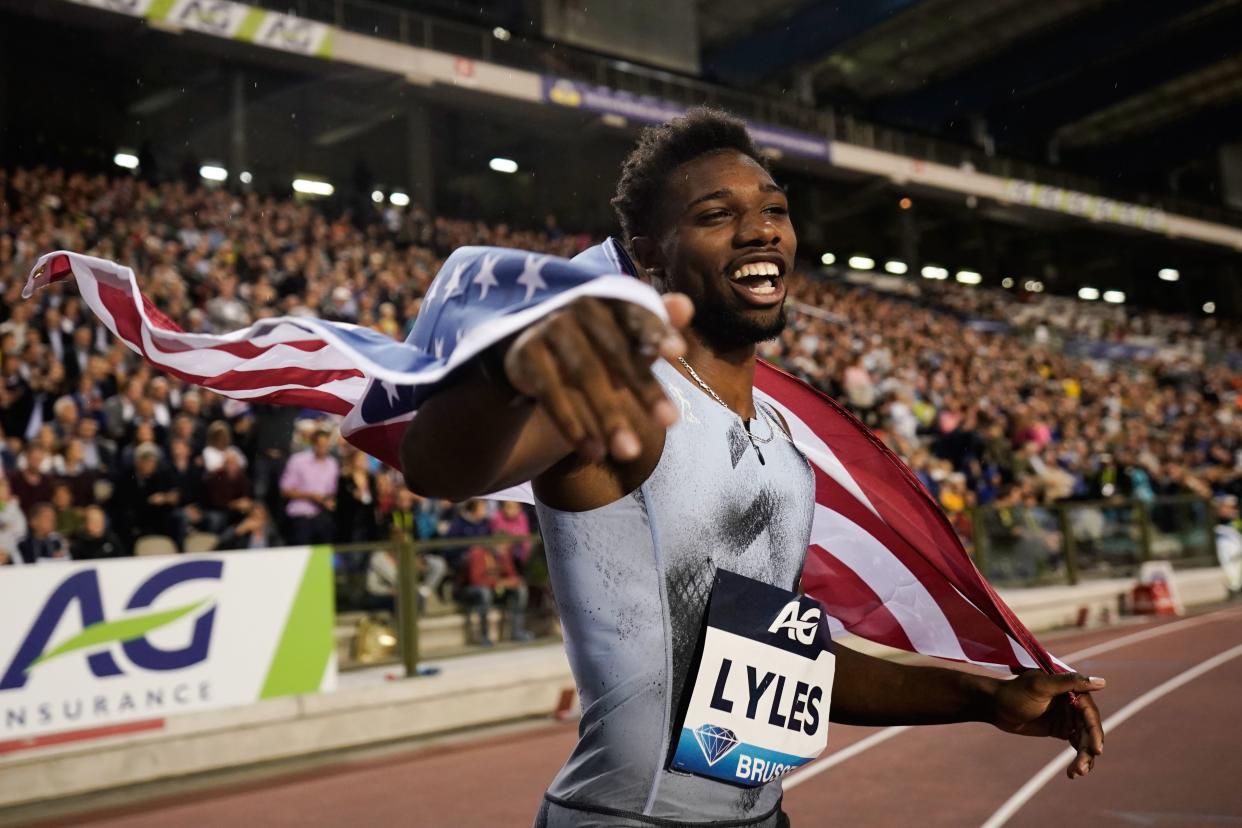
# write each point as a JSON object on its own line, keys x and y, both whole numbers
{"x": 672, "y": 506}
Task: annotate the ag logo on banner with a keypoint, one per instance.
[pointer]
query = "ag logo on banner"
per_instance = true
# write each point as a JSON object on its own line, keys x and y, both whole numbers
{"x": 80, "y": 591}
{"x": 123, "y": 640}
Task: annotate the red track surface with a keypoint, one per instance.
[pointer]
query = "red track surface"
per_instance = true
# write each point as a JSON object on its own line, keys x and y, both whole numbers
{"x": 1177, "y": 762}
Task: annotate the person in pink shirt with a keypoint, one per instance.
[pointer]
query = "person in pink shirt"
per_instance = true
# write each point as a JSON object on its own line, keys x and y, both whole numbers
{"x": 511, "y": 519}
{"x": 309, "y": 485}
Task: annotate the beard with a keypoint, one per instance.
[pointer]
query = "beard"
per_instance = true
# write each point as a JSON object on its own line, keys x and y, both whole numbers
{"x": 727, "y": 328}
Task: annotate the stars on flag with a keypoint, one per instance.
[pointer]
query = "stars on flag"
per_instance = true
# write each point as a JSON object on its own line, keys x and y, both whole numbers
{"x": 486, "y": 278}
{"x": 391, "y": 390}
{"x": 454, "y": 281}
{"x": 440, "y": 347}
{"x": 431, "y": 291}
{"x": 532, "y": 276}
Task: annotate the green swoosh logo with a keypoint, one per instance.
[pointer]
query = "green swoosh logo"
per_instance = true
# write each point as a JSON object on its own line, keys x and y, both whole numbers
{"x": 126, "y": 629}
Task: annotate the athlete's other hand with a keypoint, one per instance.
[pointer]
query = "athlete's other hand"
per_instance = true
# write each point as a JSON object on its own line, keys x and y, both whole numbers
{"x": 589, "y": 366}
{"x": 1038, "y": 704}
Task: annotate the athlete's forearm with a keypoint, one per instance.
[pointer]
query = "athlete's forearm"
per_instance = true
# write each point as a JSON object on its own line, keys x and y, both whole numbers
{"x": 872, "y": 691}
{"x": 456, "y": 444}
{"x": 471, "y": 439}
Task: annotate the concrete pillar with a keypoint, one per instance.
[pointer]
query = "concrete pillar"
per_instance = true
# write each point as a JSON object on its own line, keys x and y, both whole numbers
{"x": 238, "y": 159}
{"x": 420, "y": 151}
{"x": 5, "y": 71}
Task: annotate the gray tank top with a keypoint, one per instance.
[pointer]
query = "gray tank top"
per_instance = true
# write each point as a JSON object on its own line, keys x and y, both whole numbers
{"x": 632, "y": 580}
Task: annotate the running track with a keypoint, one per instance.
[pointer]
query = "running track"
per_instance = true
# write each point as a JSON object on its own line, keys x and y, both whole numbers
{"x": 1175, "y": 760}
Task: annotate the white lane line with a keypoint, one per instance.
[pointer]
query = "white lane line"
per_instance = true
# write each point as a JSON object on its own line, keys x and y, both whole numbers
{"x": 1143, "y": 635}
{"x": 832, "y": 760}
{"x": 1032, "y": 787}
{"x": 794, "y": 780}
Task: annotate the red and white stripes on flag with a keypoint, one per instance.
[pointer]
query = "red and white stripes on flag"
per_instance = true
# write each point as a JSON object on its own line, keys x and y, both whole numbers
{"x": 883, "y": 559}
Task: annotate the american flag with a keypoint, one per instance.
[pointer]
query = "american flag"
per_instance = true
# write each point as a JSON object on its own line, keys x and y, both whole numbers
{"x": 883, "y": 559}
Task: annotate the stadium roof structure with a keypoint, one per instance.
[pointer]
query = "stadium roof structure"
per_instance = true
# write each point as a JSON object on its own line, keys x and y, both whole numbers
{"x": 1142, "y": 94}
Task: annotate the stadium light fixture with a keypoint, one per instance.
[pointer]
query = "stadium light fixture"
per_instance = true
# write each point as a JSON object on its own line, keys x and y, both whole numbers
{"x": 1037, "y": 287}
{"x": 827, "y": 259}
{"x": 862, "y": 262}
{"x": 377, "y": 196}
{"x": 896, "y": 267}
{"x": 905, "y": 203}
{"x": 126, "y": 159}
{"x": 213, "y": 172}
{"x": 245, "y": 177}
{"x": 969, "y": 277}
{"x": 1209, "y": 307}
{"x": 310, "y": 186}
{"x": 613, "y": 120}
{"x": 1006, "y": 282}
{"x": 501, "y": 33}
{"x": 1088, "y": 293}
{"x": 934, "y": 272}
{"x": 503, "y": 165}
{"x": 1115, "y": 297}
{"x": 399, "y": 200}
{"x": 1169, "y": 274}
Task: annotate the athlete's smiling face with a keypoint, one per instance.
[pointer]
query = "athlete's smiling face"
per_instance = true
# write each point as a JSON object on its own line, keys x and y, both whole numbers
{"x": 729, "y": 246}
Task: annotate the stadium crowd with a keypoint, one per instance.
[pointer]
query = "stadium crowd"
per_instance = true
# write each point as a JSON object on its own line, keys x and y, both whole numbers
{"x": 99, "y": 450}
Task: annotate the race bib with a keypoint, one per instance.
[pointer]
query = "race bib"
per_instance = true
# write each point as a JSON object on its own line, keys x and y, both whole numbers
{"x": 758, "y": 706}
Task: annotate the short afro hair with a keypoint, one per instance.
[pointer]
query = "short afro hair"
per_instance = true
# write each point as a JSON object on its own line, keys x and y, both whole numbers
{"x": 662, "y": 149}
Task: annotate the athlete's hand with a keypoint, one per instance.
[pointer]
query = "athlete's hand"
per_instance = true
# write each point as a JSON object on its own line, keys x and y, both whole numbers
{"x": 1038, "y": 704}
{"x": 589, "y": 366}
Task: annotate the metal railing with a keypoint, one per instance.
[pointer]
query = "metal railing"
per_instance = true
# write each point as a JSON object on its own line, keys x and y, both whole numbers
{"x": 1072, "y": 541}
{"x": 378, "y": 628}
{"x": 419, "y": 29}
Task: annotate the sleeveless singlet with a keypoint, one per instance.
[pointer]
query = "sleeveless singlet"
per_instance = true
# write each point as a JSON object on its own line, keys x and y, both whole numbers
{"x": 632, "y": 580}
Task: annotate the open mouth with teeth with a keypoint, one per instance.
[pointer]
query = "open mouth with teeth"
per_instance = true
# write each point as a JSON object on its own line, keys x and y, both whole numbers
{"x": 759, "y": 283}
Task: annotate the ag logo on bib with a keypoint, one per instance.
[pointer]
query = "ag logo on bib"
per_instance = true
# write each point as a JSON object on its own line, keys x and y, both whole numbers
{"x": 798, "y": 629}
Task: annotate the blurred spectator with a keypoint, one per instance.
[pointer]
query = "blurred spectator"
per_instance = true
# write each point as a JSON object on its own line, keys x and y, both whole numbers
{"x": 65, "y": 417}
{"x": 858, "y": 385}
{"x": 96, "y": 539}
{"x": 309, "y": 483}
{"x": 255, "y": 531}
{"x": 219, "y": 444}
{"x": 12, "y": 525}
{"x": 68, "y": 517}
{"x": 226, "y": 312}
{"x": 70, "y": 468}
{"x": 98, "y": 453}
{"x": 226, "y": 494}
{"x": 357, "y": 513}
{"x": 406, "y": 526}
{"x": 42, "y": 541}
{"x": 487, "y": 577}
{"x": 77, "y": 358}
{"x": 33, "y": 481}
{"x": 149, "y": 507}
{"x": 189, "y": 429}
{"x": 511, "y": 519}
{"x": 382, "y": 581}
{"x": 187, "y": 479}
{"x": 273, "y": 435}
{"x": 469, "y": 521}
{"x": 120, "y": 411}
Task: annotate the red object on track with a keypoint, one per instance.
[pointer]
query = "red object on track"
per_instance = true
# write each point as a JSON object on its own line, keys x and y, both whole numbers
{"x": 1153, "y": 599}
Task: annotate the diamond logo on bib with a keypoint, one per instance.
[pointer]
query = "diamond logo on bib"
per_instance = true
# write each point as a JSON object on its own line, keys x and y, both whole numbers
{"x": 715, "y": 742}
